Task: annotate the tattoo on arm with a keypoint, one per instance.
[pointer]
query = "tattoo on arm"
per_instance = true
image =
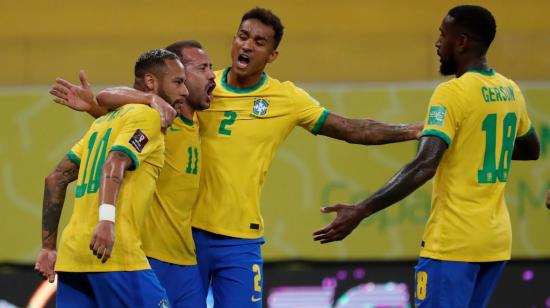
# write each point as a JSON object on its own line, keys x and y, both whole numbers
{"x": 366, "y": 131}
{"x": 54, "y": 197}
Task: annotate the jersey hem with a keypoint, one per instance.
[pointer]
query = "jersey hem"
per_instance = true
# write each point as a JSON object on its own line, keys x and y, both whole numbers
{"x": 227, "y": 232}
{"x": 103, "y": 269}
{"x": 175, "y": 261}
{"x": 315, "y": 130}
{"x": 457, "y": 258}
{"x": 128, "y": 152}
{"x": 437, "y": 133}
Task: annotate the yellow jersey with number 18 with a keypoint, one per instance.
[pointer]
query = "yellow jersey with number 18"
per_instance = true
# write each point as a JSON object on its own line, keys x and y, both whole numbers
{"x": 241, "y": 131}
{"x": 166, "y": 232}
{"x": 479, "y": 115}
{"x": 134, "y": 130}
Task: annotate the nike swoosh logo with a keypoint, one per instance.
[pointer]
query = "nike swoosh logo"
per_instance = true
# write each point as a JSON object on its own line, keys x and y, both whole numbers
{"x": 173, "y": 129}
{"x": 254, "y": 299}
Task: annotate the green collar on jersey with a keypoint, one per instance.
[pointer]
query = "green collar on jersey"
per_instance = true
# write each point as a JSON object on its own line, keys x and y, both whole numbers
{"x": 245, "y": 90}
{"x": 185, "y": 120}
{"x": 489, "y": 72}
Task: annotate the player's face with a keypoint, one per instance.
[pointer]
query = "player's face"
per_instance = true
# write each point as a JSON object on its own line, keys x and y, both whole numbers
{"x": 252, "y": 48}
{"x": 445, "y": 46}
{"x": 172, "y": 84}
{"x": 200, "y": 78}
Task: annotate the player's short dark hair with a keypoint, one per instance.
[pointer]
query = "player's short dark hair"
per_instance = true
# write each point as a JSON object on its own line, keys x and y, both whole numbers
{"x": 153, "y": 61}
{"x": 179, "y": 45}
{"x": 476, "y": 22}
{"x": 268, "y": 18}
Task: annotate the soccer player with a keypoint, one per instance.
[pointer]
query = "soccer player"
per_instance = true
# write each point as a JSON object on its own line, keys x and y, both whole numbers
{"x": 101, "y": 262}
{"x": 166, "y": 232}
{"x": 476, "y": 124}
{"x": 250, "y": 117}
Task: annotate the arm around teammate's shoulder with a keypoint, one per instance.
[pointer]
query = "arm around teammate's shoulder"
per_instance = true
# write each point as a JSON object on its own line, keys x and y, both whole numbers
{"x": 367, "y": 131}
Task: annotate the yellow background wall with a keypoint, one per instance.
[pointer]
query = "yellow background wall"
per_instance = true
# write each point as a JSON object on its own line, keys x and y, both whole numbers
{"x": 348, "y": 40}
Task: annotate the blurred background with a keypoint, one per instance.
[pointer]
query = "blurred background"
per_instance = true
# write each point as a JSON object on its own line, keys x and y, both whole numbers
{"x": 372, "y": 59}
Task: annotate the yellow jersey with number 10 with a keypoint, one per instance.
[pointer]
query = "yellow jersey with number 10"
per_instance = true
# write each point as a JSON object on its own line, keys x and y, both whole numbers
{"x": 134, "y": 130}
{"x": 166, "y": 232}
{"x": 241, "y": 131}
{"x": 479, "y": 115}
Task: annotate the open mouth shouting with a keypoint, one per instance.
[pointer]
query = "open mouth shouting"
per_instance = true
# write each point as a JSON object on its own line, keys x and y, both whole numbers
{"x": 243, "y": 60}
{"x": 209, "y": 89}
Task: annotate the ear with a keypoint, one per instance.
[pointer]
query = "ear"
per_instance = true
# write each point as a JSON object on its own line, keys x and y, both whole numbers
{"x": 274, "y": 54}
{"x": 151, "y": 82}
{"x": 463, "y": 43}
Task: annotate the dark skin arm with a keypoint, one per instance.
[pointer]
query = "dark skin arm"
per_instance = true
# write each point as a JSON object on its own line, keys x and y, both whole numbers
{"x": 54, "y": 196}
{"x": 368, "y": 132}
{"x": 403, "y": 183}
{"x": 527, "y": 147}
{"x": 112, "y": 176}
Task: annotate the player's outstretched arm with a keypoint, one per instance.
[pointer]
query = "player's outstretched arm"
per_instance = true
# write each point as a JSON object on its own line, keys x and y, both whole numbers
{"x": 112, "y": 98}
{"x": 55, "y": 189}
{"x": 368, "y": 132}
{"x": 80, "y": 98}
{"x": 402, "y": 184}
{"x": 112, "y": 175}
{"x": 527, "y": 147}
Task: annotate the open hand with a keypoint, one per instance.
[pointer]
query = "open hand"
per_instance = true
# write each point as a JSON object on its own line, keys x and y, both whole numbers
{"x": 103, "y": 240}
{"x": 80, "y": 98}
{"x": 45, "y": 263}
{"x": 347, "y": 219}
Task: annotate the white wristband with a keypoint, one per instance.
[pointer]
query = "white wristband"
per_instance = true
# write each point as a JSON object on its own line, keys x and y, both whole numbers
{"x": 107, "y": 212}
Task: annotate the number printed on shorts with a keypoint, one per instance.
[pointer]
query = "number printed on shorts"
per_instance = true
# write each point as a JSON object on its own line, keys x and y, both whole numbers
{"x": 421, "y": 283}
{"x": 257, "y": 277}
{"x": 230, "y": 117}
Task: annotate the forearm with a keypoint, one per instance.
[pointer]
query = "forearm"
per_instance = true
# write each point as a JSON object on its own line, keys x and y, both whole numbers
{"x": 112, "y": 98}
{"x": 97, "y": 110}
{"x": 112, "y": 176}
{"x": 402, "y": 184}
{"x": 55, "y": 189}
{"x": 366, "y": 131}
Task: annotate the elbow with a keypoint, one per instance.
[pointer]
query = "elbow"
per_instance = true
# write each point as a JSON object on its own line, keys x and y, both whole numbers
{"x": 53, "y": 179}
{"x": 426, "y": 170}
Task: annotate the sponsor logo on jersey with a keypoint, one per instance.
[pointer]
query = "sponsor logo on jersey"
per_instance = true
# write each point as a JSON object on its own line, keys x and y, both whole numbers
{"x": 138, "y": 140}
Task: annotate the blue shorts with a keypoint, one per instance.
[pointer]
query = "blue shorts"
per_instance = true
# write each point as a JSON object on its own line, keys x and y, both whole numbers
{"x": 182, "y": 283}
{"x": 110, "y": 289}
{"x": 455, "y": 284}
{"x": 233, "y": 266}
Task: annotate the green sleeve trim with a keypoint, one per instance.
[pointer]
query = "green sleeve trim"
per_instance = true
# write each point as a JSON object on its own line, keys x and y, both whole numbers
{"x": 73, "y": 157}
{"x": 128, "y": 152}
{"x": 320, "y": 122}
{"x": 245, "y": 90}
{"x": 529, "y": 132}
{"x": 437, "y": 133}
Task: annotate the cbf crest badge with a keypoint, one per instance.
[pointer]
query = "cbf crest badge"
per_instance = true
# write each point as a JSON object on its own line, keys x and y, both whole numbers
{"x": 260, "y": 107}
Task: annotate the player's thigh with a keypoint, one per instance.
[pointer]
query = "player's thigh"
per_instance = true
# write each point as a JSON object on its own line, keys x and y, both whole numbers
{"x": 444, "y": 283}
{"x": 74, "y": 290}
{"x": 237, "y": 280}
{"x": 128, "y": 289}
{"x": 486, "y": 282}
{"x": 182, "y": 283}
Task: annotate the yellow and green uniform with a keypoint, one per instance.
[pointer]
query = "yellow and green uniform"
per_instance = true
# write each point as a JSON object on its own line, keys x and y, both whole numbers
{"x": 241, "y": 131}
{"x": 166, "y": 232}
{"x": 134, "y": 130}
{"x": 479, "y": 115}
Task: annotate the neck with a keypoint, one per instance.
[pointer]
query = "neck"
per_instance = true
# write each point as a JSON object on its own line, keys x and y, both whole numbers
{"x": 473, "y": 63}
{"x": 185, "y": 110}
{"x": 243, "y": 82}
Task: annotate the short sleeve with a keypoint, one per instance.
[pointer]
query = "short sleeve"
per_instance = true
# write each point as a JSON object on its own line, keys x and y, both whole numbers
{"x": 525, "y": 126}
{"x": 444, "y": 113}
{"x": 75, "y": 153}
{"x": 139, "y": 136}
{"x": 311, "y": 115}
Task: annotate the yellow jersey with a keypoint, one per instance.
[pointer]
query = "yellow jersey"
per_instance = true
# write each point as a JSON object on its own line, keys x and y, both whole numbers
{"x": 134, "y": 130}
{"x": 241, "y": 131}
{"x": 166, "y": 232}
{"x": 479, "y": 115}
